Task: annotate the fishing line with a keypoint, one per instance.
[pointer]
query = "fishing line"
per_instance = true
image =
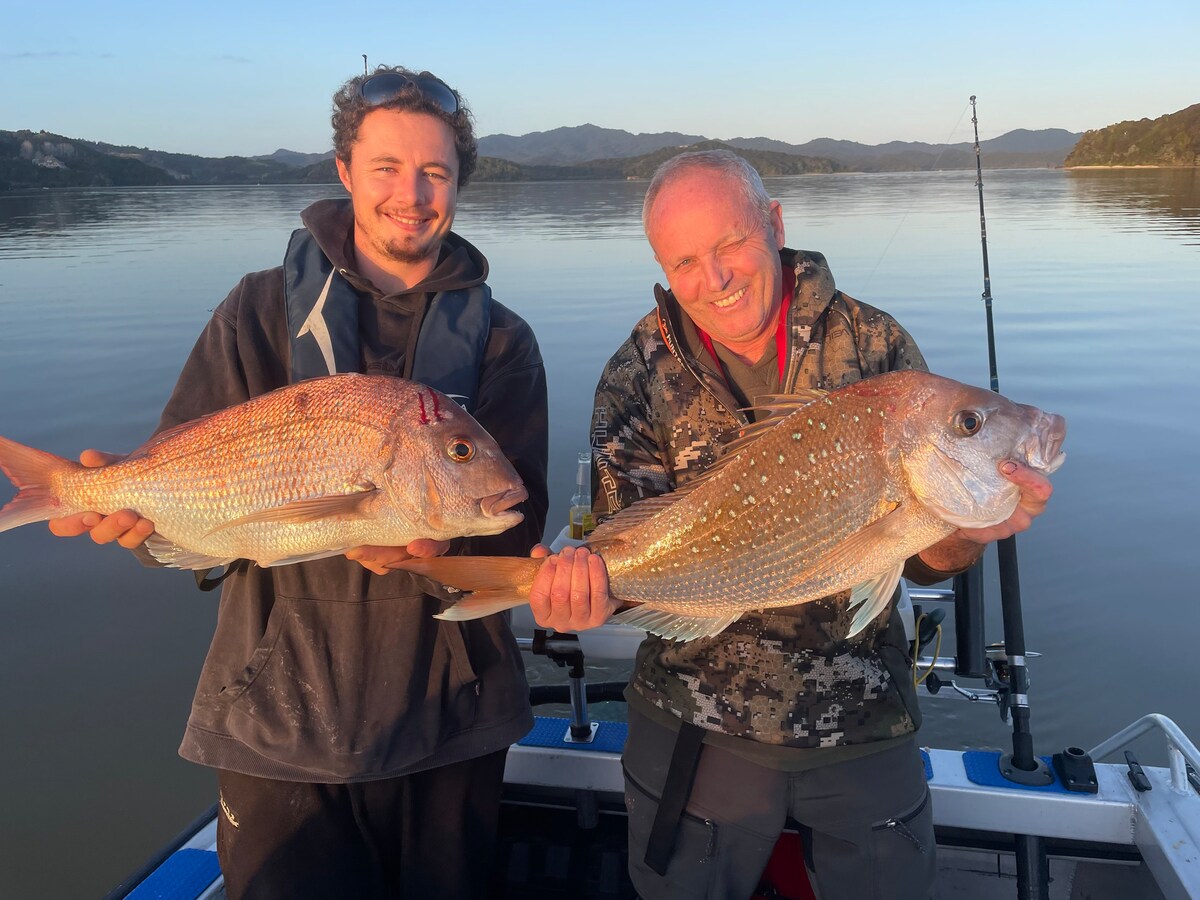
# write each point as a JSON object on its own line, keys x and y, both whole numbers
{"x": 945, "y": 146}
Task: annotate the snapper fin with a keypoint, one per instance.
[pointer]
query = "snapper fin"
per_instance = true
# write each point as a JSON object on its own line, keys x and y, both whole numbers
{"x": 511, "y": 574}
{"x": 163, "y": 436}
{"x": 309, "y": 510}
{"x": 872, "y": 598}
{"x": 675, "y": 626}
{"x": 610, "y": 531}
{"x": 172, "y": 555}
{"x": 480, "y": 604}
{"x": 176, "y": 557}
{"x": 166, "y": 435}
{"x": 865, "y": 542}
{"x": 777, "y": 408}
{"x": 303, "y": 557}
{"x": 30, "y": 470}
{"x": 785, "y": 404}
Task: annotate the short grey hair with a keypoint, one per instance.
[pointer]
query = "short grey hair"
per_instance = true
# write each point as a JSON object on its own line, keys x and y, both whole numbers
{"x": 723, "y": 162}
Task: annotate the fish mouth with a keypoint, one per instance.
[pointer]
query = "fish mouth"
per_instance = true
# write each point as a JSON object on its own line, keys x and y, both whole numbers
{"x": 1044, "y": 450}
{"x": 497, "y": 504}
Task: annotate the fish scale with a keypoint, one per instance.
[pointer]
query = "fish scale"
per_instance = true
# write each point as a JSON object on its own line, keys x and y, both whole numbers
{"x": 812, "y": 479}
{"x": 306, "y": 471}
{"x": 830, "y": 495}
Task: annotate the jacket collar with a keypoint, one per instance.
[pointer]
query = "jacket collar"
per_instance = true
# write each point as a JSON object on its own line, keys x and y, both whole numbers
{"x": 331, "y": 222}
{"x": 812, "y": 295}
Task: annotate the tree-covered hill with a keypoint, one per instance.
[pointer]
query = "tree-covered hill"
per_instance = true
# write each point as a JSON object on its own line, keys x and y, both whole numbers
{"x": 35, "y": 159}
{"x": 767, "y": 162}
{"x": 1170, "y": 140}
{"x": 39, "y": 159}
{"x": 43, "y": 160}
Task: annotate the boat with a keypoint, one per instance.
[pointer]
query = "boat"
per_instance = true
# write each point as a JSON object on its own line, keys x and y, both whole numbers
{"x": 1100, "y": 827}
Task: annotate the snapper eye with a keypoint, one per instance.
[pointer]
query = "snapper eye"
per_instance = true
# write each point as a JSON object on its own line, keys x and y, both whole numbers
{"x": 460, "y": 449}
{"x": 968, "y": 422}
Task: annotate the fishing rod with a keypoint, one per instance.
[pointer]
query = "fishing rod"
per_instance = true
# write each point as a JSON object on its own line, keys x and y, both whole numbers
{"x": 1019, "y": 766}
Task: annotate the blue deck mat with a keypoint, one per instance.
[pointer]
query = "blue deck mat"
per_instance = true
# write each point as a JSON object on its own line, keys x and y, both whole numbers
{"x": 928, "y": 765}
{"x": 182, "y": 876}
{"x": 548, "y": 731}
{"x": 983, "y": 767}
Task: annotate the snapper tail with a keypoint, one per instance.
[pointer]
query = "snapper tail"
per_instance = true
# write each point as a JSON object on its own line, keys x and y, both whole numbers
{"x": 31, "y": 471}
{"x": 496, "y": 583}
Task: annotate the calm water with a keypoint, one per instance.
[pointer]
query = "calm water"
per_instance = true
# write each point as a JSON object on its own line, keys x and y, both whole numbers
{"x": 1096, "y": 279}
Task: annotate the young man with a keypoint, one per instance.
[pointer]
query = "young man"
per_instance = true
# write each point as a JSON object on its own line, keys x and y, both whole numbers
{"x": 359, "y": 743}
{"x": 779, "y": 715}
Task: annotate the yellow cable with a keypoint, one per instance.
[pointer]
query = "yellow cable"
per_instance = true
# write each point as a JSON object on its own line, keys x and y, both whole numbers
{"x": 937, "y": 648}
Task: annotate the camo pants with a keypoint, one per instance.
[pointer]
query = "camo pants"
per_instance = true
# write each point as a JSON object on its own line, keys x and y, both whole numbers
{"x": 866, "y": 824}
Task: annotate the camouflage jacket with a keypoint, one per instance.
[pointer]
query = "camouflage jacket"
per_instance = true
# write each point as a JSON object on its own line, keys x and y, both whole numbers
{"x": 785, "y": 676}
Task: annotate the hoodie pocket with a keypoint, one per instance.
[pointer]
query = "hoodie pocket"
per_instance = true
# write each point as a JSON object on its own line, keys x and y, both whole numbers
{"x": 350, "y": 689}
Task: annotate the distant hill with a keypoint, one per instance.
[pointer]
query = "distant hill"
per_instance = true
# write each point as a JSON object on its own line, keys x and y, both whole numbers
{"x": 29, "y": 160}
{"x": 584, "y": 143}
{"x": 1170, "y": 140}
{"x": 767, "y": 162}
{"x": 292, "y": 158}
{"x": 640, "y": 167}
{"x": 191, "y": 169}
{"x": 40, "y": 159}
{"x": 579, "y": 143}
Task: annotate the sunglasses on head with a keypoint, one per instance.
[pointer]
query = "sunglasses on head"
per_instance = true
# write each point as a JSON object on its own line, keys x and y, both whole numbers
{"x": 387, "y": 86}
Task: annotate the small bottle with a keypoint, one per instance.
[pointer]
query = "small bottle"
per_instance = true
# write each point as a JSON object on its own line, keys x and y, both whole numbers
{"x": 581, "y": 519}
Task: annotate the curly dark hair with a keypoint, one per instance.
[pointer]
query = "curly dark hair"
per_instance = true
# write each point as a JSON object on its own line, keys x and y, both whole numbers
{"x": 349, "y": 109}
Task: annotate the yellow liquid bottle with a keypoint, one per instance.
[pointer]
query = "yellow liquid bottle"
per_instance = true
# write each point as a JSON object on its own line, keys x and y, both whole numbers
{"x": 581, "y": 521}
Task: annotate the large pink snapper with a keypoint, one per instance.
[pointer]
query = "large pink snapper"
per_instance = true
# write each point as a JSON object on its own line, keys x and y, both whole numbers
{"x": 303, "y": 472}
{"x": 833, "y": 493}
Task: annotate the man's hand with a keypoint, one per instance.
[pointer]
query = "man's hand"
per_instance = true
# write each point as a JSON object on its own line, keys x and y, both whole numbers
{"x": 382, "y": 560}
{"x": 963, "y": 547}
{"x": 570, "y": 592}
{"x": 124, "y": 526}
{"x": 1035, "y": 492}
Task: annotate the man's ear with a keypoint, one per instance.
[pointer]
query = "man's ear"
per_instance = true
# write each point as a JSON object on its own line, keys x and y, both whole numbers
{"x": 343, "y": 173}
{"x": 777, "y": 224}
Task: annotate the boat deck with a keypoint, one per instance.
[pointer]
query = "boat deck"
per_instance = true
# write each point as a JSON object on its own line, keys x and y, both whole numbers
{"x": 564, "y": 829}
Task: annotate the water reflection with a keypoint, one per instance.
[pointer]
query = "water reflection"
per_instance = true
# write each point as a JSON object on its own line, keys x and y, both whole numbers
{"x": 1165, "y": 199}
{"x": 58, "y": 223}
{"x": 555, "y": 211}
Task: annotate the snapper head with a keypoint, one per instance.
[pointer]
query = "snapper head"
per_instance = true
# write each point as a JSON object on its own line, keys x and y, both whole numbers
{"x": 951, "y": 439}
{"x": 454, "y": 476}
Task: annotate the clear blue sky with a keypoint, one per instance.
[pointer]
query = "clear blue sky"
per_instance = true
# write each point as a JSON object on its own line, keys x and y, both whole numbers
{"x": 222, "y": 78}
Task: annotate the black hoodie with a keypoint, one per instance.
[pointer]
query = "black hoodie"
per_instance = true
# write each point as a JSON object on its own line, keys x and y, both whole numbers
{"x": 322, "y": 671}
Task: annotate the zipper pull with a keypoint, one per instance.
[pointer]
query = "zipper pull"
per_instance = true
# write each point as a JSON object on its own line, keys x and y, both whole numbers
{"x": 901, "y": 829}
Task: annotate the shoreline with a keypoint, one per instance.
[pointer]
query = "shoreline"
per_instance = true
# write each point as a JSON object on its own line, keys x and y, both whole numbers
{"x": 1135, "y": 166}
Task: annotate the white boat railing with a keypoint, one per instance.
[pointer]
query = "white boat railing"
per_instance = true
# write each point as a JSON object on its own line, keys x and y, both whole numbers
{"x": 1180, "y": 749}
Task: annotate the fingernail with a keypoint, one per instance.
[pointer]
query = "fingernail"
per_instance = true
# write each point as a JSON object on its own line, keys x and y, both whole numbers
{"x": 91, "y": 520}
{"x": 1008, "y": 467}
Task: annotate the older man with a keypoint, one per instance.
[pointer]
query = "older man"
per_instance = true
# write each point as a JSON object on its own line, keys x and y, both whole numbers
{"x": 359, "y": 743}
{"x": 780, "y": 715}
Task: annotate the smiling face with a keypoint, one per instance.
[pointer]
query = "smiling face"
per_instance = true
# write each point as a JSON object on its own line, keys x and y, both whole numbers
{"x": 720, "y": 258}
{"x": 403, "y": 181}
